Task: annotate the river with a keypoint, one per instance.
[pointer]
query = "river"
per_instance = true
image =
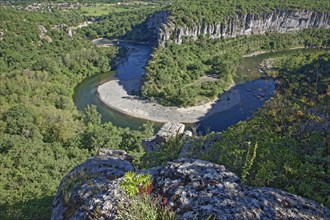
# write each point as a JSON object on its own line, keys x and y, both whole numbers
{"x": 254, "y": 90}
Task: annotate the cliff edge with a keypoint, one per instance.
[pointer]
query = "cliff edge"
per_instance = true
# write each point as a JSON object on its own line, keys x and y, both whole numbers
{"x": 166, "y": 28}
{"x": 194, "y": 189}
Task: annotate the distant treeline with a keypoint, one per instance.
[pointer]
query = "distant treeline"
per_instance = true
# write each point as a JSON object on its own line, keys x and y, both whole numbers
{"x": 211, "y": 11}
{"x": 26, "y": 2}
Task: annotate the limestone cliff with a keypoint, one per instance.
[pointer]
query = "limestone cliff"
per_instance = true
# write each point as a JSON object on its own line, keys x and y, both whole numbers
{"x": 281, "y": 21}
{"x": 1, "y": 34}
{"x": 194, "y": 189}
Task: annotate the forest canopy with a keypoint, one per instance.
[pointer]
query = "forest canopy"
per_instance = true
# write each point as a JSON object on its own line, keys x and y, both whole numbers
{"x": 42, "y": 135}
{"x": 214, "y": 11}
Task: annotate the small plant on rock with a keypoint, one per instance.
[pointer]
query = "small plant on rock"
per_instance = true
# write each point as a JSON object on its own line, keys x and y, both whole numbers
{"x": 144, "y": 207}
{"x": 134, "y": 184}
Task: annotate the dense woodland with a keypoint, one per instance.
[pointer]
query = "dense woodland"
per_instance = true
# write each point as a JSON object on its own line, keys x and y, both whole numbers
{"x": 174, "y": 72}
{"x": 42, "y": 135}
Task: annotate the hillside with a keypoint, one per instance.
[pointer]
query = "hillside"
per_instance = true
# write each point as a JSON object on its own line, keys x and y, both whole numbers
{"x": 42, "y": 135}
{"x": 285, "y": 145}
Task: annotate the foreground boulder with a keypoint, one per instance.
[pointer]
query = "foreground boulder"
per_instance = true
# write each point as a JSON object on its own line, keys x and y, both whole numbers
{"x": 194, "y": 189}
{"x": 92, "y": 183}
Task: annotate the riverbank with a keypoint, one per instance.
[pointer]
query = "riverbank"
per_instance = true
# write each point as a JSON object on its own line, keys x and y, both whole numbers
{"x": 106, "y": 42}
{"x": 117, "y": 95}
{"x": 268, "y": 51}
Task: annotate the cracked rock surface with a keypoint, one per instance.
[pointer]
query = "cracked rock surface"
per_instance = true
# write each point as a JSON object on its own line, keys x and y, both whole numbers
{"x": 194, "y": 189}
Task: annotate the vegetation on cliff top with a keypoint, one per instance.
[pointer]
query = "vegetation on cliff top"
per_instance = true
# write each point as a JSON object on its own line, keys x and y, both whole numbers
{"x": 211, "y": 11}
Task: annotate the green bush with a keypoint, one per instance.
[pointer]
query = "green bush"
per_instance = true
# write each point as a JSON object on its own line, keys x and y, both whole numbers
{"x": 132, "y": 182}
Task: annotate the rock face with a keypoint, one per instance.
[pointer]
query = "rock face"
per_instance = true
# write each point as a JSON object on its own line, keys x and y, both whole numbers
{"x": 194, "y": 189}
{"x": 1, "y": 35}
{"x": 156, "y": 22}
{"x": 280, "y": 21}
{"x": 42, "y": 34}
{"x": 170, "y": 130}
{"x": 87, "y": 186}
{"x": 71, "y": 30}
{"x": 167, "y": 131}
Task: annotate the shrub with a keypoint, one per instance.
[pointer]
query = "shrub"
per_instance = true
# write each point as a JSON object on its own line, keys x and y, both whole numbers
{"x": 144, "y": 207}
{"x": 133, "y": 183}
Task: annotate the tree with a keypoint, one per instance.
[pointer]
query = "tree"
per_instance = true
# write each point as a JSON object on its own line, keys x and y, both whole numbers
{"x": 92, "y": 116}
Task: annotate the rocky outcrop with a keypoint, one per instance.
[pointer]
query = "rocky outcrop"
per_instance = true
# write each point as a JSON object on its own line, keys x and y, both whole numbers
{"x": 1, "y": 35}
{"x": 71, "y": 30}
{"x": 167, "y": 131}
{"x": 59, "y": 27}
{"x": 281, "y": 21}
{"x": 42, "y": 34}
{"x": 194, "y": 189}
{"x": 87, "y": 186}
{"x": 170, "y": 130}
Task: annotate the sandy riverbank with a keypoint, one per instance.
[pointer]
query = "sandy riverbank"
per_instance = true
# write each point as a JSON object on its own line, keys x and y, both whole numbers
{"x": 115, "y": 94}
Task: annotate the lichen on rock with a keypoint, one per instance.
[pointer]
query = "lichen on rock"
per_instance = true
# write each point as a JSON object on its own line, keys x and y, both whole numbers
{"x": 194, "y": 189}
{"x": 92, "y": 186}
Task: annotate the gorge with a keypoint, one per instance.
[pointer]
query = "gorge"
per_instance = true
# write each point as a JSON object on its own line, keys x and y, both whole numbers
{"x": 281, "y": 21}
{"x": 164, "y": 27}
{"x": 265, "y": 157}
{"x": 247, "y": 95}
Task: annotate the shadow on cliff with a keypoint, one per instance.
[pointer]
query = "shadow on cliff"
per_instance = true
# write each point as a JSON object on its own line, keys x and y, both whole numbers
{"x": 32, "y": 209}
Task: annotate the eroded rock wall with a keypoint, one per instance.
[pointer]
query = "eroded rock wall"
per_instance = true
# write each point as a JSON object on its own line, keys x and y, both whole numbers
{"x": 281, "y": 21}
